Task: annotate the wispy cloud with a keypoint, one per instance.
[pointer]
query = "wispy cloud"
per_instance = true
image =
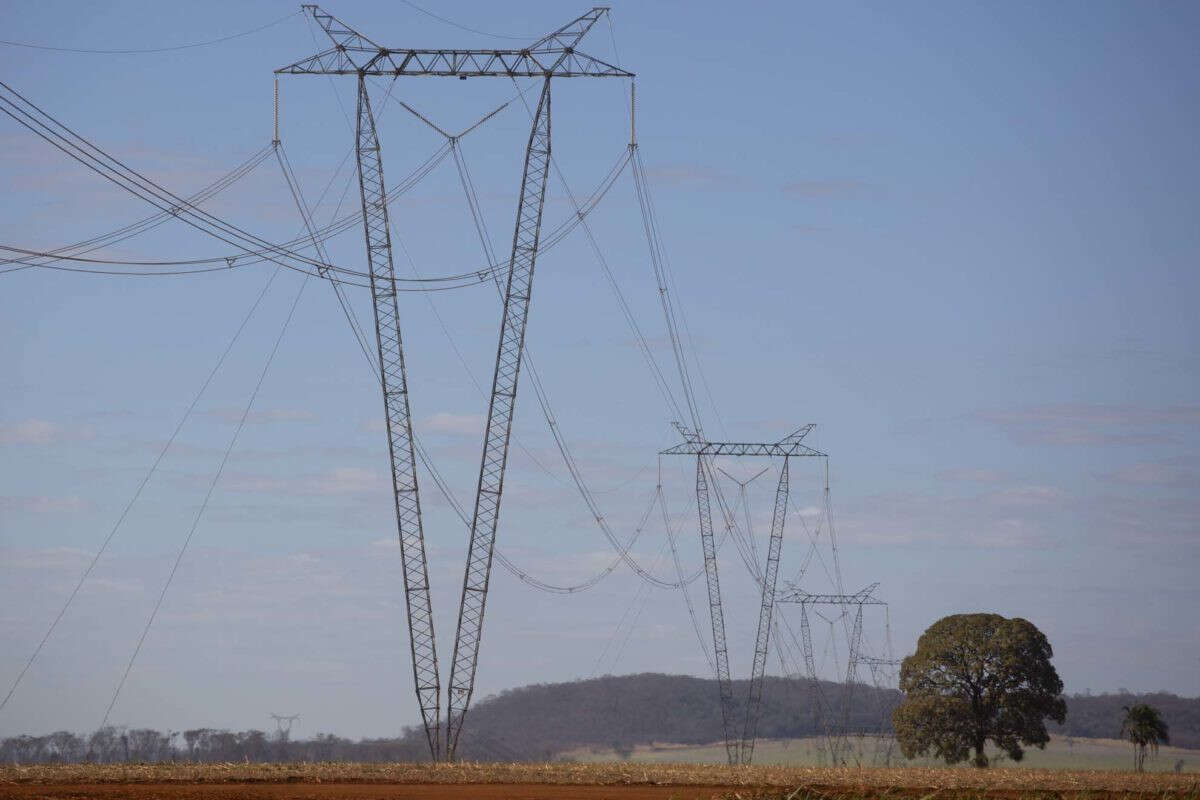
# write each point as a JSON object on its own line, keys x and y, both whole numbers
{"x": 46, "y": 558}
{"x": 821, "y": 188}
{"x": 1084, "y": 424}
{"x": 695, "y": 176}
{"x": 44, "y": 505}
{"x": 462, "y": 424}
{"x": 1157, "y": 474}
{"x": 336, "y": 481}
{"x": 1012, "y": 516}
{"x": 264, "y": 416}
{"x": 40, "y": 431}
{"x": 974, "y": 475}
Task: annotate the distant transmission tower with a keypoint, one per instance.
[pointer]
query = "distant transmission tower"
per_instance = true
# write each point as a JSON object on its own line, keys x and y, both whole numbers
{"x": 553, "y": 56}
{"x": 836, "y": 731}
{"x": 283, "y": 725}
{"x": 786, "y": 448}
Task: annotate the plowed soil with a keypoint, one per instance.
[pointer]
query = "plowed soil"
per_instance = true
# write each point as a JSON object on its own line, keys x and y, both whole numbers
{"x": 574, "y": 782}
{"x": 357, "y": 791}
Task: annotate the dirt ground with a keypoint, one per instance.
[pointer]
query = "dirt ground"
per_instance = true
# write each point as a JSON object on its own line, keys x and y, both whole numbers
{"x": 613, "y": 781}
{"x": 356, "y": 791}
{"x": 497, "y": 791}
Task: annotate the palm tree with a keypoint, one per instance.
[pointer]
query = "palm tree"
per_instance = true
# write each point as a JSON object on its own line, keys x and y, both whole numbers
{"x": 1145, "y": 728}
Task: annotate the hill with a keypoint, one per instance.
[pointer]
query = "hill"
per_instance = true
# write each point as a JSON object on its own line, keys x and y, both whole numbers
{"x": 628, "y": 711}
{"x": 615, "y": 714}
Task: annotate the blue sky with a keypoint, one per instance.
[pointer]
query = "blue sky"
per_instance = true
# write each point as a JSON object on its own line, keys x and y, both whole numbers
{"x": 959, "y": 237}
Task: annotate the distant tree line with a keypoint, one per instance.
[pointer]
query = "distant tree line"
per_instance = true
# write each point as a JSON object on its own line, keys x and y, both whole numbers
{"x": 540, "y": 722}
{"x": 114, "y": 745}
{"x": 1099, "y": 716}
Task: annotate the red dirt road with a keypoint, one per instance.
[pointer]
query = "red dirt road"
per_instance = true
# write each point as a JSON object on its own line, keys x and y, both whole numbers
{"x": 357, "y": 791}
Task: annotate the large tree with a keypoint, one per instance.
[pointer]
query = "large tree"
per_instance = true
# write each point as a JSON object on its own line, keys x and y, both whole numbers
{"x": 1144, "y": 726}
{"x": 973, "y": 678}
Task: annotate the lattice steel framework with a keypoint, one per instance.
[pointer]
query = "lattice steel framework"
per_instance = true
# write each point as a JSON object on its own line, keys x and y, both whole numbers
{"x": 554, "y": 55}
{"x": 757, "y": 671}
{"x": 399, "y": 418}
{"x": 863, "y": 597}
{"x": 788, "y": 447}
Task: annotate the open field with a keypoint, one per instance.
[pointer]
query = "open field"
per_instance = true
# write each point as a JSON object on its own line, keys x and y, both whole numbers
{"x": 1061, "y": 753}
{"x": 615, "y": 781}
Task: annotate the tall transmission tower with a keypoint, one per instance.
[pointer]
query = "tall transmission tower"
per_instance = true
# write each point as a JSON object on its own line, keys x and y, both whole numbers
{"x": 786, "y": 448}
{"x": 552, "y": 56}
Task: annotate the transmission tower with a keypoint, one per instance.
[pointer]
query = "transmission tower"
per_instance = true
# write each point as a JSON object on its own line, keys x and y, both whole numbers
{"x": 283, "y": 725}
{"x": 553, "y": 56}
{"x": 786, "y": 448}
{"x": 835, "y": 735}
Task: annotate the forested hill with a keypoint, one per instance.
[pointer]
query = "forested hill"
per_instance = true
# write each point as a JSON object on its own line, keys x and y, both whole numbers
{"x": 542, "y": 721}
{"x": 1099, "y": 716}
{"x": 627, "y": 710}
{"x": 638, "y": 709}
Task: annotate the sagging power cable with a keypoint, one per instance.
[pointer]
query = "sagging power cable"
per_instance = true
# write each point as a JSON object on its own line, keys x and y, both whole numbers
{"x": 125, "y": 232}
{"x": 204, "y": 505}
{"x": 140, "y": 487}
{"x": 144, "y": 51}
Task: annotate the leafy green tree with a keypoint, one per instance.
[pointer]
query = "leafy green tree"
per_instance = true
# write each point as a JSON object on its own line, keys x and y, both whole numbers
{"x": 1144, "y": 726}
{"x": 973, "y": 678}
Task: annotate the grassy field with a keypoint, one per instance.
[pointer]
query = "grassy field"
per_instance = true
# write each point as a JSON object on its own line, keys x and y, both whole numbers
{"x": 1060, "y": 754}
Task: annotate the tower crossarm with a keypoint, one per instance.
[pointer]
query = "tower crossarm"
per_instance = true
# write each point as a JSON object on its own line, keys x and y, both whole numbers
{"x": 797, "y": 434}
{"x": 700, "y": 448}
{"x": 554, "y": 55}
{"x": 863, "y": 597}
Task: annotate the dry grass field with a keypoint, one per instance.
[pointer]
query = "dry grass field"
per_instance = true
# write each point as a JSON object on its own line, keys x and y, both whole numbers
{"x": 1061, "y": 754}
{"x": 615, "y": 781}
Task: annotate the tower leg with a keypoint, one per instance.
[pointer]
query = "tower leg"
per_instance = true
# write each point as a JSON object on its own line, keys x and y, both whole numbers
{"x": 499, "y": 424}
{"x": 754, "y": 703}
{"x": 399, "y": 421}
{"x": 716, "y": 614}
{"x": 853, "y": 648}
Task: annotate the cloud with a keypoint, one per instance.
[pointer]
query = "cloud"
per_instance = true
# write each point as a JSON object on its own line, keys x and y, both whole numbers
{"x": 350, "y": 480}
{"x": 1160, "y": 474}
{"x": 1014, "y": 516}
{"x": 374, "y": 425}
{"x": 974, "y": 475}
{"x": 110, "y": 585}
{"x": 821, "y": 188}
{"x": 44, "y": 505}
{"x": 1028, "y": 497}
{"x": 462, "y": 424}
{"x": 336, "y": 481}
{"x": 1135, "y": 521}
{"x": 40, "y": 431}
{"x": 1083, "y": 424}
{"x": 48, "y": 558}
{"x": 695, "y": 176}
{"x": 263, "y": 416}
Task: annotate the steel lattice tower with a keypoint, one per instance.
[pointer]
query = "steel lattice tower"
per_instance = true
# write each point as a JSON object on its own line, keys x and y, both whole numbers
{"x": 786, "y": 448}
{"x": 854, "y": 655}
{"x": 553, "y": 56}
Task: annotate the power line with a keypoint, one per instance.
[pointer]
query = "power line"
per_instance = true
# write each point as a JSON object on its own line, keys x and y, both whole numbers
{"x": 144, "y": 51}
{"x": 141, "y": 486}
{"x": 155, "y": 220}
{"x": 462, "y": 27}
{"x": 204, "y": 505}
